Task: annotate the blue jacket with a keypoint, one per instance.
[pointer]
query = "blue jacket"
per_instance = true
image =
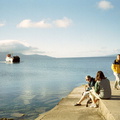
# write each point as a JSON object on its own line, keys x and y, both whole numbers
{"x": 91, "y": 84}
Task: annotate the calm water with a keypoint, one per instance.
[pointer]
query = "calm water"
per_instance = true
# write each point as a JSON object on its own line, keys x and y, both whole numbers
{"x": 36, "y": 85}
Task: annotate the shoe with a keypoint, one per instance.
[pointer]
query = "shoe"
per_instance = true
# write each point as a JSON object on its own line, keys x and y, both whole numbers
{"x": 116, "y": 88}
{"x": 77, "y": 104}
{"x": 86, "y": 105}
{"x": 93, "y": 106}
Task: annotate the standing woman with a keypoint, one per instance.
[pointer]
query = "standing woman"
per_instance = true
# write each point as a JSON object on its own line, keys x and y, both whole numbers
{"x": 102, "y": 89}
{"x": 116, "y": 70}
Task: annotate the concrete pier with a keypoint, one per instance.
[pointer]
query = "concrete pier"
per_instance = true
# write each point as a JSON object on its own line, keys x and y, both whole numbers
{"x": 65, "y": 110}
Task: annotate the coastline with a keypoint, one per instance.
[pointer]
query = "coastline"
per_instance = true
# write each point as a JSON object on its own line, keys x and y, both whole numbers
{"x": 65, "y": 109}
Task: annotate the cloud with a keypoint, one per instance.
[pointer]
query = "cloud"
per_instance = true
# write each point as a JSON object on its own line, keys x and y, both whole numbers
{"x": 15, "y": 46}
{"x": 1, "y": 25}
{"x": 117, "y": 51}
{"x": 27, "y": 23}
{"x": 105, "y": 5}
{"x": 63, "y": 23}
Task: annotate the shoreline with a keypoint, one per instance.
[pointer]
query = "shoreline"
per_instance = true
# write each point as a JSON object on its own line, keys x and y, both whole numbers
{"x": 62, "y": 110}
{"x": 65, "y": 109}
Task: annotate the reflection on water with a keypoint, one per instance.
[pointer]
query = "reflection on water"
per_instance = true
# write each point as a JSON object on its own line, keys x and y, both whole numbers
{"x": 26, "y": 97}
{"x": 36, "y": 85}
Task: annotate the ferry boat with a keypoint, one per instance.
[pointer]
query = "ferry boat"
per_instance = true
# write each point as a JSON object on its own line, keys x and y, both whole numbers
{"x": 12, "y": 59}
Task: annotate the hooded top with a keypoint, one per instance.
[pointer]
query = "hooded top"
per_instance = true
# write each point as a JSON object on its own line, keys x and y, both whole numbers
{"x": 103, "y": 88}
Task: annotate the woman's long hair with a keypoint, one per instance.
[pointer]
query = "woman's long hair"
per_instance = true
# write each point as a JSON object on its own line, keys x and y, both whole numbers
{"x": 100, "y": 75}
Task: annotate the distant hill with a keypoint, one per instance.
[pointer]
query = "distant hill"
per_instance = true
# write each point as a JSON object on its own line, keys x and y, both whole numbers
{"x": 36, "y": 56}
{"x": 22, "y": 56}
{"x": 113, "y": 55}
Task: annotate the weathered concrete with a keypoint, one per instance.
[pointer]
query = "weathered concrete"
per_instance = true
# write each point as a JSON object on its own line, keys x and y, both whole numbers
{"x": 65, "y": 110}
{"x": 110, "y": 108}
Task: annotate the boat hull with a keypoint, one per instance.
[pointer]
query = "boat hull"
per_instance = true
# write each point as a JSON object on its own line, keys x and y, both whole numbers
{"x": 14, "y": 59}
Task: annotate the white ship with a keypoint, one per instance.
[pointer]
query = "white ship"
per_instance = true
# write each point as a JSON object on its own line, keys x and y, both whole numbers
{"x": 14, "y": 59}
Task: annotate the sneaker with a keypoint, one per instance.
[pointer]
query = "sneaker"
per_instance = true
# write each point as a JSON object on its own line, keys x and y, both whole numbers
{"x": 93, "y": 106}
{"x": 77, "y": 104}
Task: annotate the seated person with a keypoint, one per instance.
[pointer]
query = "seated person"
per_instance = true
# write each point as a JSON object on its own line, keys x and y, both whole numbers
{"x": 101, "y": 89}
{"x": 88, "y": 87}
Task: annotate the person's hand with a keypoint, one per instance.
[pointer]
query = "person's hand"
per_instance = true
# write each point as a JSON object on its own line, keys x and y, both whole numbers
{"x": 92, "y": 88}
{"x": 86, "y": 85}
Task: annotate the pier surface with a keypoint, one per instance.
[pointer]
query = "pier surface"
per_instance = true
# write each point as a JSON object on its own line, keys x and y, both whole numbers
{"x": 65, "y": 110}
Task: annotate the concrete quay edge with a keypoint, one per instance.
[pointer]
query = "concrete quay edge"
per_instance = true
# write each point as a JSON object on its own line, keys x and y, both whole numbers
{"x": 65, "y": 109}
{"x": 110, "y": 108}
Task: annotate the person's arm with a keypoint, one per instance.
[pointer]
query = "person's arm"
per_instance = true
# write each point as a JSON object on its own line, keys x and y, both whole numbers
{"x": 113, "y": 66}
{"x": 97, "y": 87}
{"x": 86, "y": 87}
{"x": 90, "y": 85}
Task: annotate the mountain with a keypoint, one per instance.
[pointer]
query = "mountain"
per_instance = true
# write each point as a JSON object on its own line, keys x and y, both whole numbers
{"x": 22, "y": 56}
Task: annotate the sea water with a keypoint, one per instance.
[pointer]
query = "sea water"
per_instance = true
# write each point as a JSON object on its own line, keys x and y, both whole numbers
{"x": 36, "y": 85}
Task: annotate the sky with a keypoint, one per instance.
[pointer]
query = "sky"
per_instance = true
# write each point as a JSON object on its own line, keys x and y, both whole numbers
{"x": 60, "y": 28}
